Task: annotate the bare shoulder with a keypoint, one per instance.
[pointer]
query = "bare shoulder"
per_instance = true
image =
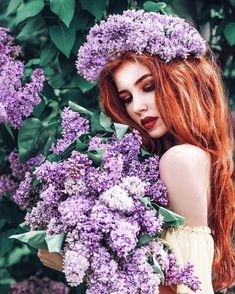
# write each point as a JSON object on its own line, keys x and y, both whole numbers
{"x": 185, "y": 170}
{"x": 184, "y": 155}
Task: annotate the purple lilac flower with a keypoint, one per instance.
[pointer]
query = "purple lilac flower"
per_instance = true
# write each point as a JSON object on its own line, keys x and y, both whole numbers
{"x": 34, "y": 285}
{"x": 123, "y": 238}
{"x": 151, "y": 223}
{"x": 73, "y": 126}
{"x": 52, "y": 196}
{"x": 51, "y": 173}
{"x": 140, "y": 273}
{"x": 16, "y": 99}
{"x": 23, "y": 196}
{"x": 103, "y": 273}
{"x": 75, "y": 211}
{"x": 7, "y": 185}
{"x": 19, "y": 169}
{"x": 41, "y": 215}
{"x": 165, "y": 36}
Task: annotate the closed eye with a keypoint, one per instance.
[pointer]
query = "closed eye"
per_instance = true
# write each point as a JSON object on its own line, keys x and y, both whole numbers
{"x": 149, "y": 88}
{"x": 126, "y": 100}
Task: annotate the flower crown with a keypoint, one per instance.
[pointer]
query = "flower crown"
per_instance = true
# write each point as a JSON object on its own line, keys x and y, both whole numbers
{"x": 165, "y": 36}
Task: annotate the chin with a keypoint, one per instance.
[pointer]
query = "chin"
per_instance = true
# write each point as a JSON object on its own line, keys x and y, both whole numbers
{"x": 157, "y": 133}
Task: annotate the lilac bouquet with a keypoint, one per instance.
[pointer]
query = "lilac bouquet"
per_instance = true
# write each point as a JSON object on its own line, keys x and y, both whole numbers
{"x": 98, "y": 199}
{"x": 16, "y": 98}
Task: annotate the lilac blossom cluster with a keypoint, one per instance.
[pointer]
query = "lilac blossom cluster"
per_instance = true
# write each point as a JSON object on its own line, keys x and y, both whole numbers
{"x": 35, "y": 285}
{"x": 16, "y": 99}
{"x": 73, "y": 126}
{"x": 165, "y": 36}
{"x": 103, "y": 213}
{"x": 7, "y": 185}
{"x": 19, "y": 178}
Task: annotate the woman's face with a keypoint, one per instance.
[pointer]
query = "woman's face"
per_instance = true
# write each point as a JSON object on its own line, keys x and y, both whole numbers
{"x": 135, "y": 87}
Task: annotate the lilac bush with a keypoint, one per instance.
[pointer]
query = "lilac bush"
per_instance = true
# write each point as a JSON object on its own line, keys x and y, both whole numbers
{"x": 34, "y": 285}
{"x": 16, "y": 98}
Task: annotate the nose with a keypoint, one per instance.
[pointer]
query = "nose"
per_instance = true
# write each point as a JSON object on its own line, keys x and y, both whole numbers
{"x": 139, "y": 104}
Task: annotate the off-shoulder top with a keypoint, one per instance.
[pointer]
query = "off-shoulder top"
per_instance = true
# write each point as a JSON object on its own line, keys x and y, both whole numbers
{"x": 196, "y": 245}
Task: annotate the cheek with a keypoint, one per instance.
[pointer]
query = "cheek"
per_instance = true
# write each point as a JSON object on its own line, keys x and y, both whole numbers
{"x": 130, "y": 112}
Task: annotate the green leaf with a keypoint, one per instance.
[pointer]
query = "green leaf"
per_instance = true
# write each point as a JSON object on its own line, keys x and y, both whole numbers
{"x": 152, "y": 6}
{"x": 147, "y": 202}
{"x": 229, "y": 32}
{"x": 47, "y": 54}
{"x": 63, "y": 38}
{"x": 64, "y": 9}
{"x": 53, "y": 158}
{"x": 24, "y": 226}
{"x": 55, "y": 243}
{"x": 48, "y": 145}
{"x": 80, "y": 146}
{"x": 95, "y": 123}
{"x": 32, "y": 138}
{"x": 12, "y": 6}
{"x": 28, "y": 9}
{"x": 144, "y": 153}
{"x": 96, "y": 156}
{"x": 9, "y": 130}
{"x": 75, "y": 107}
{"x": 83, "y": 84}
{"x": 232, "y": 2}
{"x": 121, "y": 130}
{"x": 15, "y": 256}
{"x": 4, "y": 289}
{"x": 6, "y": 278}
{"x": 82, "y": 22}
{"x": 144, "y": 239}
{"x": 105, "y": 122}
{"x": 31, "y": 28}
{"x": 2, "y": 222}
{"x": 157, "y": 268}
{"x": 95, "y": 7}
{"x": 6, "y": 245}
{"x": 35, "y": 239}
{"x": 170, "y": 218}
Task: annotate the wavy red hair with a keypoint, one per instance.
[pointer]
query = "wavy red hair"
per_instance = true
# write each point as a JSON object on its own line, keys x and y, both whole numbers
{"x": 192, "y": 102}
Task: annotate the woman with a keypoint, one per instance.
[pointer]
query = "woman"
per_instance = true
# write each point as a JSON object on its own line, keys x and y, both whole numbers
{"x": 156, "y": 75}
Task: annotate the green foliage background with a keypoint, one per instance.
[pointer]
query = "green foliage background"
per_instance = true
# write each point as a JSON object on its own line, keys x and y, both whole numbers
{"x": 50, "y": 33}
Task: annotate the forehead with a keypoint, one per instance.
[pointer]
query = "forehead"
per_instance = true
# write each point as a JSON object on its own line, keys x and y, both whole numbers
{"x": 128, "y": 73}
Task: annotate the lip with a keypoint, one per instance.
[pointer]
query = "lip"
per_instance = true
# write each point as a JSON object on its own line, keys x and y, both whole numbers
{"x": 149, "y": 122}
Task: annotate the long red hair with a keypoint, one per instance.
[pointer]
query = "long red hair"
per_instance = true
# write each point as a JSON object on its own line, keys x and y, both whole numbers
{"x": 192, "y": 102}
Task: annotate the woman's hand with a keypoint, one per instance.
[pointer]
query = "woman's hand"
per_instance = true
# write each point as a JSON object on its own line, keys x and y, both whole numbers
{"x": 53, "y": 260}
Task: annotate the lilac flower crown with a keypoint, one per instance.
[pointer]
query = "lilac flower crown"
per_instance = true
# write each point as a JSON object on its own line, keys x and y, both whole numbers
{"x": 166, "y": 36}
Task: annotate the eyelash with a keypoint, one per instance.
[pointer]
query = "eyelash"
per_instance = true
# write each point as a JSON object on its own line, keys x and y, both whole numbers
{"x": 147, "y": 89}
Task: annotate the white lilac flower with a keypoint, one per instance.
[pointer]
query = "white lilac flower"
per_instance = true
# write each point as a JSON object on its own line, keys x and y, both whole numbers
{"x": 134, "y": 186}
{"x": 75, "y": 266}
{"x": 74, "y": 186}
{"x": 117, "y": 198}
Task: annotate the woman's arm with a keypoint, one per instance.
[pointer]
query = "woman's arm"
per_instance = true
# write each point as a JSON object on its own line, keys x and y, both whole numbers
{"x": 53, "y": 260}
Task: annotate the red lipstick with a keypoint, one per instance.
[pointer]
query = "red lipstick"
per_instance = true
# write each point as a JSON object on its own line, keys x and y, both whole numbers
{"x": 149, "y": 122}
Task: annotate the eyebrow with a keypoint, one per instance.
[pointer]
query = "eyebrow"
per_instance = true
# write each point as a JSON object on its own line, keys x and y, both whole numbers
{"x": 137, "y": 82}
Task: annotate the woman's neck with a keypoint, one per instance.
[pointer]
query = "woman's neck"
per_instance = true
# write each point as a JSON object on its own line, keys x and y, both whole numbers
{"x": 168, "y": 141}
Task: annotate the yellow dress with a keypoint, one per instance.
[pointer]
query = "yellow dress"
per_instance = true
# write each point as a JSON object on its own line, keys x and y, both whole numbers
{"x": 196, "y": 245}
